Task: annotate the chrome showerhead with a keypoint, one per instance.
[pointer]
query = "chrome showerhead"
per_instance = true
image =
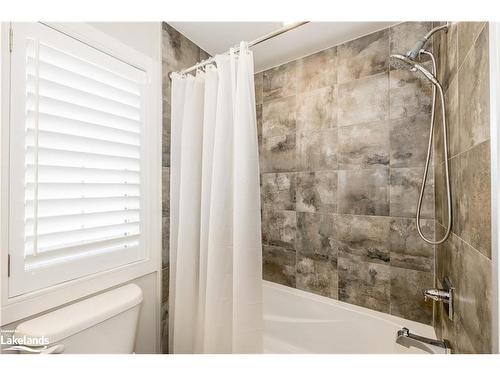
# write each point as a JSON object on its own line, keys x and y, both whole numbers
{"x": 409, "y": 61}
{"x": 405, "y": 62}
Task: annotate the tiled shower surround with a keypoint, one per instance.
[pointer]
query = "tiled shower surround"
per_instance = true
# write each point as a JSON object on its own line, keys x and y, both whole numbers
{"x": 466, "y": 256}
{"x": 343, "y": 139}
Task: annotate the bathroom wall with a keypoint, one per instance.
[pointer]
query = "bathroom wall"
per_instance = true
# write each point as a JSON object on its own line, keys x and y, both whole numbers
{"x": 343, "y": 139}
{"x": 178, "y": 53}
{"x": 466, "y": 256}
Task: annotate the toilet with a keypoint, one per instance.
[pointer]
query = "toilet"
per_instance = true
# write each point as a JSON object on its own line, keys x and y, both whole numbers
{"x": 103, "y": 324}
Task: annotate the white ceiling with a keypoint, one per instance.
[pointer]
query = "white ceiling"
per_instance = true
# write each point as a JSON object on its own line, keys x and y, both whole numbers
{"x": 217, "y": 37}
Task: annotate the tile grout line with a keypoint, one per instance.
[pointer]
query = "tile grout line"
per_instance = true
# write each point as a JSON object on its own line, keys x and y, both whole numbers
{"x": 469, "y": 51}
{"x": 465, "y": 242}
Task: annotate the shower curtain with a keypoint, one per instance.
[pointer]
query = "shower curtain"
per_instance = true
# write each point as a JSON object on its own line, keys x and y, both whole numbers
{"x": 215, "y": 252}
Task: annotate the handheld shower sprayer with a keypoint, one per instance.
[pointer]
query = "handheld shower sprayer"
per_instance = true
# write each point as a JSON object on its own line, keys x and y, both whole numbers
{"x": 409, "y": 61}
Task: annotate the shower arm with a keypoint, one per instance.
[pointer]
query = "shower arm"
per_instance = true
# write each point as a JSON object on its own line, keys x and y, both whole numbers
{"x": 436, "y": 86}
{"x": 436, "y": 29}
{"x": 422, "y": 42}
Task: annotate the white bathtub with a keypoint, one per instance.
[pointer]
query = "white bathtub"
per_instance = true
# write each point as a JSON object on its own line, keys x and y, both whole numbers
{"x": 300, "y": 322}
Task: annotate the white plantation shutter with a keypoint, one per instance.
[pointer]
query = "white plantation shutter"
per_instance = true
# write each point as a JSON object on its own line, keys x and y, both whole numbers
{"x": 78, "y": 116}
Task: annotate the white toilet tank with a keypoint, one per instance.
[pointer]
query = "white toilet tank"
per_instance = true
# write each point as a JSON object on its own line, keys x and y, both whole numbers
{"x": 106, "y": 323}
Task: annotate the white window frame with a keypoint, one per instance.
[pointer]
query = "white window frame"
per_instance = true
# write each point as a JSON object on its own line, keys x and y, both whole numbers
{"x": 18, "y": 307}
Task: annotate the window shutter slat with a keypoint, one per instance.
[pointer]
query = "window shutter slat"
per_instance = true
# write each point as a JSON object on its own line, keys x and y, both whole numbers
{"x": 67, "y": 158}
{"x": 73, "y": 111}
{"x": 82, "y": 157}
{"x": 55, "y": 207}
{"x": 82, "y": 98}
{"x": 66, "y": 191}
{"x": 58, "y": 141}
{"x": 74, "y": 222}
{"x": 91, "y": 85}
{"x": 59, "y": 241}
{"x": 75, "y": 64}
{"x": 80, "y": 128}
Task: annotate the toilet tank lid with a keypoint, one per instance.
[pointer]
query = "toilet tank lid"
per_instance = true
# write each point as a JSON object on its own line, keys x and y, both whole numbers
{"x": 67, "y": 321}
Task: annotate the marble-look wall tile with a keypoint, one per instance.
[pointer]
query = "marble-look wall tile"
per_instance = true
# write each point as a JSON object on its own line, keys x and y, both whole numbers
{"x": 407, "y": 249}
{"x": 406, "y": 294}
{"x": 316, "y": 191}
{"x": 452, "y": 122}
{"x": 316, "y": 234}
{"x": 446, "y": 50}
{"x": 334, "y": 126}
{"x": 405, "y": 190}
{"x": 165, "y": 139}
{"x": 317, "y": 274}
{"x": 358, "y": 102}
{"x": 473, "y": 94}
{"x": 278, "y": 191}
{"x": 279, "y": 228}
{"x": 278, "y": 265}
{"x": 364, "y": 56}
{"x": 364, "y": 283}
{"x": 317, "y": 110}
{"x": 456, "y": 187}
{"x": 258, "y": 118}
{"x": 410, "y": 94}
{"x": 278, "y": 153}
{"x": 364, "y": 146}
{"x": 465, "y": 255}
{"x": 280, "y": 82}
{"x": 259, "y": 87}
{"x": 178, "y": 52}
{"x": 164, "y": 334}
{"x": 165, "y": 241}
{"x": 473, "y": 196}
{"x": 165, "y": 292}
{"x": 437, "y": 141}
{"x": 366, "y": 237}
{"x": 467, "y": 34}
{"x": 470, "y": 273}
{"x": 406, "y": 153}
{"x": 363, "y": 192}
{"x": 278, "y": 117}
{"x": 317, "y": 71}
{"x": 440, "y": 208}
{"x": 164, "y": 310}
{"x": 204, "y": 55}
{"x": 317, "y": 150}
{"x": 404, "y": 36}
{"x": 165, "y": 191}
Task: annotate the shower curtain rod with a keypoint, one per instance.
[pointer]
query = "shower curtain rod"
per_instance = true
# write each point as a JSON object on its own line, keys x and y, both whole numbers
{"x": 250, "y": 44}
